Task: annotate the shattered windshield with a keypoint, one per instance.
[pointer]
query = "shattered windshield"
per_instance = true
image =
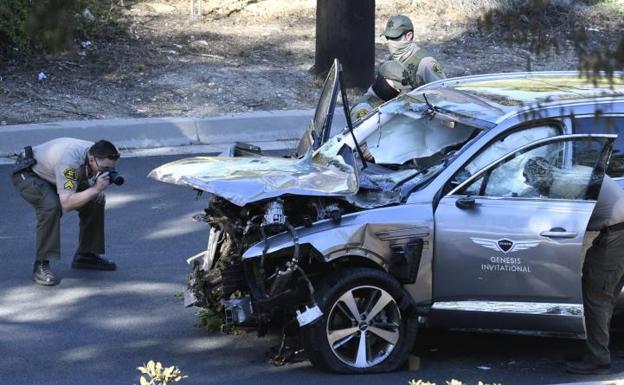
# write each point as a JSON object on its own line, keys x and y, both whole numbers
{"x": 404, "y": 144}
{"x": 406, "y": 132}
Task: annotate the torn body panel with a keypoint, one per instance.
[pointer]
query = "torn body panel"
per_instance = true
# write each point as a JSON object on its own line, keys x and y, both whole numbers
{"x": 245, "y": 180}
{"x": 385, "y": 236}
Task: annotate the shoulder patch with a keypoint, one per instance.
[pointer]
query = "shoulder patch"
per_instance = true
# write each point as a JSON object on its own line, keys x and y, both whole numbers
{"x": 359, "y": 114}
{"x": 70, "y": 173}
{"x": 69, "y": 185}
{"x": 437, "y": 68}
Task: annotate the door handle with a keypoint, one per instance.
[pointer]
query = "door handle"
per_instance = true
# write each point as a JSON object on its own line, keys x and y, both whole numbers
{"x": 558, "y": 232}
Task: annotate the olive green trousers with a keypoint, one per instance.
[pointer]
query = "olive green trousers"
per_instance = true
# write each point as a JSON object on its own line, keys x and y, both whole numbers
{"x": 603, "y": 279}
{"x": 42, "y": 196}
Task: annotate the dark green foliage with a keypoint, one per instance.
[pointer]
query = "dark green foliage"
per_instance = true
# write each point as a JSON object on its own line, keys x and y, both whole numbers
{"x": 48, "y": 26}
{"x": 554, "y": 26}
{"x": 13, "y": 15}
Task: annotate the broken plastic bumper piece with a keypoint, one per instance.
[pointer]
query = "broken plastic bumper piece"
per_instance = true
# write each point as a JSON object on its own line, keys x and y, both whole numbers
{"x": 308, "y": 316}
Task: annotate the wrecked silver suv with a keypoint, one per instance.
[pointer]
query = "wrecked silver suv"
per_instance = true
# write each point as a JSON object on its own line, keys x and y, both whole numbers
{"x": 421, "y": 214}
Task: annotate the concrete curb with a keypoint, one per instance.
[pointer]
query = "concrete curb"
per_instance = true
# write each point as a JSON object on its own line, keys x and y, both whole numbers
{"x": 604, "y": 382}
{"x": 256, "y": 128}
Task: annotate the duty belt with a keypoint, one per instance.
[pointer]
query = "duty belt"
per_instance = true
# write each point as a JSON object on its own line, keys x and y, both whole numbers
{"x": 616, "y": 227}
{"x": 24, "y": 161}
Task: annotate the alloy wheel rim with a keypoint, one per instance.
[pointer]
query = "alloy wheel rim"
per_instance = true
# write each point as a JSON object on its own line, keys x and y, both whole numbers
{"x": 363, "y": 326}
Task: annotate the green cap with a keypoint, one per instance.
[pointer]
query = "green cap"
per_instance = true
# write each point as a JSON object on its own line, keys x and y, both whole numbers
{"x": 393, "y": 70}
{"x": 397, "y": 25}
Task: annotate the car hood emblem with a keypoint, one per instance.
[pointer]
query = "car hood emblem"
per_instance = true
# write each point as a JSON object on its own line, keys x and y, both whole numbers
{"x": 505, "y": 245}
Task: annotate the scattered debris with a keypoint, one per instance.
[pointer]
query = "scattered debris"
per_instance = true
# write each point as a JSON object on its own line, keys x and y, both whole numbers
{"x": 199, "y": 44}
{"x": 88, "y": 15}
{"x": 413, "y": 363}
{"x": 42, "y": 76}
{"x": 288, "y": 352}
{"x": 483, "y": 367}
{"x": 86, "y": 44}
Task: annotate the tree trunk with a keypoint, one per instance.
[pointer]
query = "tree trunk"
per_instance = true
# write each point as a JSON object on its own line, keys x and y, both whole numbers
{"x": 345, "y": 29}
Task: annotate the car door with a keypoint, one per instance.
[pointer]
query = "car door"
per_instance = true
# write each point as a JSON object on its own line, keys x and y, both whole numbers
{"x": 508, "y": 243}
{"x": 606, "y": 124}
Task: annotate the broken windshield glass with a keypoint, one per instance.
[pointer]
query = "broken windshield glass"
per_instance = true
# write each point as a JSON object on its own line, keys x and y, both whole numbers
{"x": 405, "y": 133}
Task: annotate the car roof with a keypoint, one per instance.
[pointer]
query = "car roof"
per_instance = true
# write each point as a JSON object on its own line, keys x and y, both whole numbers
{"x": 490, "y": 97}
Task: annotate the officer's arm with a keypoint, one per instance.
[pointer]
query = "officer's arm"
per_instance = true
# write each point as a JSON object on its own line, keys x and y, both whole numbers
{"x": 74, "y": 200}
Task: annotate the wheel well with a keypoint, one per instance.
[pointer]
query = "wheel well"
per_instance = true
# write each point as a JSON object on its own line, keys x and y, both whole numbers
{"x": 352, "y": 261}
{"x": 317, "y": 268}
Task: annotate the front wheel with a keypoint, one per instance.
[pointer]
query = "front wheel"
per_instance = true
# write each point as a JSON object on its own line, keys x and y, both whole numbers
{"x": 367, "y": 326}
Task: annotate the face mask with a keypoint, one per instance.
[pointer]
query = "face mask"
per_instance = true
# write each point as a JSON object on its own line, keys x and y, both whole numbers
{"x": 397, "y": 46}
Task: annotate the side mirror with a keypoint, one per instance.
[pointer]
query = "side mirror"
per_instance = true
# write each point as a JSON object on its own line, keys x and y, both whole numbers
{"x": 466, "y": 203}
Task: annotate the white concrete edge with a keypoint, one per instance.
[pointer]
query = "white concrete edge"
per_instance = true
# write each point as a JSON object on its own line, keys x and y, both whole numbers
{"x": 196, "y": 149}
{"x": 271, "y": 130}
{"x": 617, "y": 381}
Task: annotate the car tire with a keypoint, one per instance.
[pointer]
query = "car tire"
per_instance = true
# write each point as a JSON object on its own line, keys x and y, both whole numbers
{"x": 375, "y": 343}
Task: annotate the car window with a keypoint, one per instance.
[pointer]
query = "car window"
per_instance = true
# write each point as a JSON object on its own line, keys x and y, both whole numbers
{"x": 560, "y": 170}
{"x": 606, "y": 125}
{"x": 495, "y": 150}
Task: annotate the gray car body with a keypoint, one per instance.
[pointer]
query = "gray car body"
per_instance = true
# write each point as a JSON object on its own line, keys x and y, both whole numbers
{"x": 446, "y": 294}
{"x": 451, "y": 284}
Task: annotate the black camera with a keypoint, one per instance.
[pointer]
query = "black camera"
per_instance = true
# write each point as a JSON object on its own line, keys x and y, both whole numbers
{"x": 114, "y": 176}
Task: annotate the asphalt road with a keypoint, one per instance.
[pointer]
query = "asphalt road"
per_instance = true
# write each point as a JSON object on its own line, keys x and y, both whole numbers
{"x": 97, "y": 327}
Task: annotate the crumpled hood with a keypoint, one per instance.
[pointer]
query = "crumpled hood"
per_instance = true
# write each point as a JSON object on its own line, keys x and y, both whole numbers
{"x": 243, "y": 180}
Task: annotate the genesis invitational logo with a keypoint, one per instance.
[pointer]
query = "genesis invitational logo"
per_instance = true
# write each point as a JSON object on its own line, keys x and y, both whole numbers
{"x": 504, "y": 245}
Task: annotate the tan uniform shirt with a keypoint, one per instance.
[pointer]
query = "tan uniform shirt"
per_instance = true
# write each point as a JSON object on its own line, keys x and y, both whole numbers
{"x": 609, "y": 208}
{"x": 62, "y": 162}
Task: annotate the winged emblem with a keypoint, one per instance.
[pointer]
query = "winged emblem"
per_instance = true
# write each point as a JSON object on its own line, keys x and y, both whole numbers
{"x": 505, "y": 246}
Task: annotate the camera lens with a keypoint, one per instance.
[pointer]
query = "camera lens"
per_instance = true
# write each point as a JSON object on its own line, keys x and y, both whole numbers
{"x": 118, "y": 180}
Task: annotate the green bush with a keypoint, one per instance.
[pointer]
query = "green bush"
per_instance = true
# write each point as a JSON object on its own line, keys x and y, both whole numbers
{"x": 32, "y": 26}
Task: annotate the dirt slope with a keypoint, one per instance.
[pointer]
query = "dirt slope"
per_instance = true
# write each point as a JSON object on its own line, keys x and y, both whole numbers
{"x": 241, "y": 55}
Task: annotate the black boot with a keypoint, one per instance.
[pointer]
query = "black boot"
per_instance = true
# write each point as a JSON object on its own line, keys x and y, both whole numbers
{"x": 42, "y": 274}
{"x": 584, "y": 367}
{"x": 92, "y": 261}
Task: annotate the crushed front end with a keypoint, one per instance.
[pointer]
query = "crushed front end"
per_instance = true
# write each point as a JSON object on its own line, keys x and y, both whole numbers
{"x": 258, "y": 291}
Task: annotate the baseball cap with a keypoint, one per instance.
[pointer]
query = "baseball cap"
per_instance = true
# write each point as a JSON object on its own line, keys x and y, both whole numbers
{"x": 397, "y": 25}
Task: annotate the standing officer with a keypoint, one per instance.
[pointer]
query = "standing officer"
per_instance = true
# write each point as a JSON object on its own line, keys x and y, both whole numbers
{"x": 421, "y": 66}
{"x": 603, "y": 278}
{"x": 408, "y": 66}
{"x": 67, "y": 174}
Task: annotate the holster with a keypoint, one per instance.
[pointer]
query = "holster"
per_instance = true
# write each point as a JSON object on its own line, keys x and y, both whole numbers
{"x": 24, "y": 161}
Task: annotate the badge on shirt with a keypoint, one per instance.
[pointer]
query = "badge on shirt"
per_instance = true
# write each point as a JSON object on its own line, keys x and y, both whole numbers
{"x": 70, "y": 173}
{"x": 70, "y": 178}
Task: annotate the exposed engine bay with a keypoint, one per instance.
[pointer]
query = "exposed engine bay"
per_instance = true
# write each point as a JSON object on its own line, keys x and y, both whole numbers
{"x": 282, "y": 283}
